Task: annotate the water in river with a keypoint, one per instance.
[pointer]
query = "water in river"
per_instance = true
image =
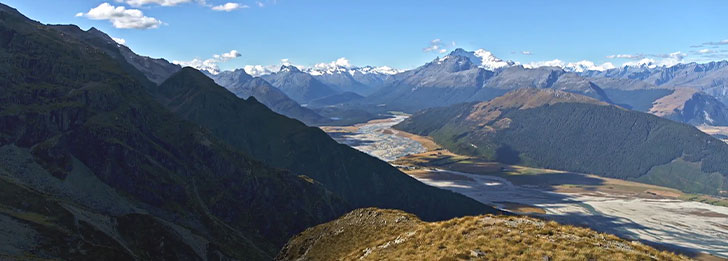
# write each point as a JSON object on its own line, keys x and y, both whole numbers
{"x": 378, "y": 139}
{"x": 672, "y": 223}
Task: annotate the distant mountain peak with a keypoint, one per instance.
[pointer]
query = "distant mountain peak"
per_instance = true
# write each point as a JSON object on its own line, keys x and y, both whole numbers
{"x": 289, "y": 68}
{"x": 482, "y": 58}
{"x": 331, "y": 69}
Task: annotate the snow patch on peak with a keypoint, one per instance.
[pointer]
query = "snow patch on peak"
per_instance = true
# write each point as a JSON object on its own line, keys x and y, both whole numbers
{"x": 644, "y": 63}
{"x": 482, "y": 58}
{"x": 585, "y": 65}
{"x": 379, "y": 70}
{"x": 289, "y": 68}
{"x": 342, "y": 65}
{"x": 580, "y": 66}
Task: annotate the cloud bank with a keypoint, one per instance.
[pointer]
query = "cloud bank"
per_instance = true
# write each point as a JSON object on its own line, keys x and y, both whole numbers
{"x": 121, "y": 17}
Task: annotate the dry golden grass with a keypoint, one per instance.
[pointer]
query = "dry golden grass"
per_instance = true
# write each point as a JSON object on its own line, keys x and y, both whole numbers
{"x": 522, "y": 208}
{"x": 375, "y": 234}
{"x": 426, "y": 142}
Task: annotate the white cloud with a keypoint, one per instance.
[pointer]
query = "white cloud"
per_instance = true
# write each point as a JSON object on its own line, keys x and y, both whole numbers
{"x": 438, "y": 46}
{"x": 259, "y": 70}
{"x": 552, "y": 63}
{"x": 643, "y": 62}
{"x": 626, "y": 56}
{"x": 210, "y": 65}
{"x": 724, "y": 42}
{"x": 585, "y": 65}
{"x": 706, "y": 51}
{"x": 526, "y": 52}
{"x": 138, "y": 3}
{"x": 434, "y": 46}
{"x": 580, "y": 66}
{"x": 340, "y": 65}
{"x": 227, "y": 7}
{"x": 121, "y": 17}
{"x": 671, "y": 58}
{"x": 341, "y": 62}
{"x": 227, "y": 56}
{"x": 651, "y": 60}
{"x": 260, "y": 4}
{"x": 119, "y": 40}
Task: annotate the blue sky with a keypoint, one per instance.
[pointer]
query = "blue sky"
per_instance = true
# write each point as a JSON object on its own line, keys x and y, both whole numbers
{"x": 395, "y": 33}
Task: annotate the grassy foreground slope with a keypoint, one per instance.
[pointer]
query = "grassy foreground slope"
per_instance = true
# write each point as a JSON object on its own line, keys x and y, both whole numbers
{"x": 377, "y": 234}
{"x": 566, "y": 131}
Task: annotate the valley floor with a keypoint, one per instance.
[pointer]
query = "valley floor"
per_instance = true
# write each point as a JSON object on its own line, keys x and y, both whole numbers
{"x": 720, "y": 132}
{"x": 660, "y": 216}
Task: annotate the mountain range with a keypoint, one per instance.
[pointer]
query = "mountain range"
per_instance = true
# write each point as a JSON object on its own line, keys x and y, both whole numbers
{"x": 691, "y": 93}
{"x": 710, "y": 78}
{"x": 360, "y": 80}
{"x": 109, "y": 155}
{"x": 100, "y": 162}
{"x": 245, "y": 86}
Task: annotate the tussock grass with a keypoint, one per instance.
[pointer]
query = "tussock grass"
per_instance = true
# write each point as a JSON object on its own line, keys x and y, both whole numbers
{"x": 375, "y": 234}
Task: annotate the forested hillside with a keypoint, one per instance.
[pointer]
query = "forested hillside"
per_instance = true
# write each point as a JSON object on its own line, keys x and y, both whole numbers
{"x": 559, "y": 130}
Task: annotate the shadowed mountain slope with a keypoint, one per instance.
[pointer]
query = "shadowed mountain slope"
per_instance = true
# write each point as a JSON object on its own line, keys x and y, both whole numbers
{"x": 92, "y": 167}
{"x": 244, "y": 86}
{"x": 358, "y": 178}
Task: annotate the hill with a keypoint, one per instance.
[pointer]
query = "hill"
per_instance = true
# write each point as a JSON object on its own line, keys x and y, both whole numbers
{"x": 560, "y": 130}
{"x": 92, "y": 167}
{"x": 691, "y": 106}
{"x": 376, "y": 234}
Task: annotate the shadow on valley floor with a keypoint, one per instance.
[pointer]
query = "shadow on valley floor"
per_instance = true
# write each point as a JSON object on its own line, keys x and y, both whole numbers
{"x": 621, "y": 227}
{"x": 342, "y": 138}
{"x": 534, "y": 188}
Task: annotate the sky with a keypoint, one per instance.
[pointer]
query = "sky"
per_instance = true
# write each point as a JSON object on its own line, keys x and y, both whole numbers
{"x": 400, "y": 34}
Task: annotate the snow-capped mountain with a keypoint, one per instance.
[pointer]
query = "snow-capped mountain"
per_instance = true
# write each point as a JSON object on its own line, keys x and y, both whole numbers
{"x": 482, "y": 58}
{"x": 343, "y": 77}
{"x": 298, "y": 85}
{"x": 711, "y": 78}
{"x": 581, "y": 66}
{"x": 339, "y": 75}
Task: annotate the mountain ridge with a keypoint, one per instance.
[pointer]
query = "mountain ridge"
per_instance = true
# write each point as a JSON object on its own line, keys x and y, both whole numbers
{"x": 244, "y": 86}
{"x": 74, "y": 116}
{"x": 577, "y": 133}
